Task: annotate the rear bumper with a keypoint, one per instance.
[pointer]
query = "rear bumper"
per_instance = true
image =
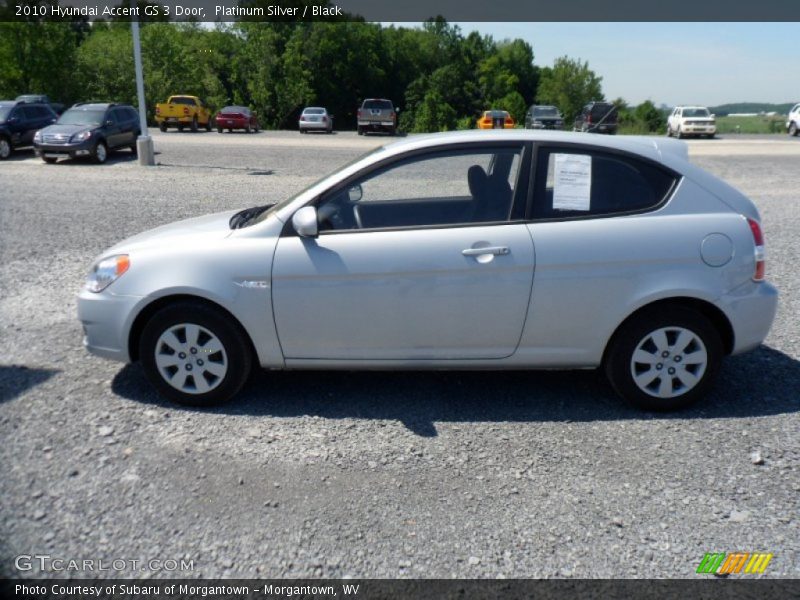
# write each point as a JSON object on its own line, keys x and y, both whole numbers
{"x": 314, "y": 125}
{"x": 174, "y": 120}
{"x": 377, "y": 125}
{"x": 751, "y": 310}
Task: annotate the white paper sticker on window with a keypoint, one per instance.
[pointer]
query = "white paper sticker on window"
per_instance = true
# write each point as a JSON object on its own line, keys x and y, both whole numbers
{"x": 572, "y": 186}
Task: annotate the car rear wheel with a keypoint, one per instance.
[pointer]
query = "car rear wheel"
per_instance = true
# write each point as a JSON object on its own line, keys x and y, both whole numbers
{"x": 194, "y": 124}
{"x": 5, "y": 148}
{"x": 665, "y": 359}
{"x": 219, "y": 129}
{"x": 194, "y": 354}
{"x": 49, "y": 160}
{"x": 793, "y": 130}
{"x": 100, "y": 152}
{"x": 669, "y": 131}
{"x": 248, "y": 129}
{"x": 208, "y": 125}
{"x": 163, "y": 127}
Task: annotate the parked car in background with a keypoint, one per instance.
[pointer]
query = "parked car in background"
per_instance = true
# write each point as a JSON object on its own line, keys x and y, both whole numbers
{"x": 691, "y": 120}
{"x": 543, "y": 117}
{"x": 183, "y": 111}
{"x": 91, "y": 130}
{"x": 236, "y": 117}
{"x": 597, "y": 117}
{"x": 377, "y": 114}
{"x": 57, "y": 107}
{"x": 420, "y": 255}
{"x": 315, "y": 118}
{"x": 793, "y": 120}
{"x": 495, "y": 119}
{"x": 19, "y": 121}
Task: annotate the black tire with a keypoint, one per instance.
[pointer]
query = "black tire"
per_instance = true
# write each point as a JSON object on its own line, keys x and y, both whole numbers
{"x": 208, "y": 124}
{"x": 163, "y": 127}
{"x": 134, "y": 149}
{"x": 393, "y": 131}
{"x": 5, "y": 148}
{"x": 360, "y": 131}
{"x": 248, "y": 129}
{"x": 100, "y": 152}
{"x": 619, "y": 361}
{"x": 679, "y": 134}
{"x": 793, "y": 129}
{"x": 219, "y": 129}
{"x": 194, "y": 124}
{"x": 180, "y": 127}
{"x": 231, "y": 336}
{"x": 710, "y": 136}
{"x": 49, "y": 160}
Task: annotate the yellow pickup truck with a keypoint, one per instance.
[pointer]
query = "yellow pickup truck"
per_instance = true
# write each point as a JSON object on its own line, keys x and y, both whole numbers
{"x": 180, "y": 111}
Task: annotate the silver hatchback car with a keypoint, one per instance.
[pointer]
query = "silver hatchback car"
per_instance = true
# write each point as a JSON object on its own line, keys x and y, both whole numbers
{"x": 473, "y": 250}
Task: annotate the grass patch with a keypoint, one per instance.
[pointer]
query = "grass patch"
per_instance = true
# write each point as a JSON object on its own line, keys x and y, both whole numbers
{"x": 759, "y": 124}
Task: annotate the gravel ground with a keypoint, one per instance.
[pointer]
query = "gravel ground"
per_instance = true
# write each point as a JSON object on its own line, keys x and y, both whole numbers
{"x": 368, "y": 474}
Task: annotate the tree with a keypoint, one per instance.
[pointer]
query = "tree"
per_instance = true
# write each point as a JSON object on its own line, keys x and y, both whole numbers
{"x": 569, "y": 85}
{"x": 649, "y": 116}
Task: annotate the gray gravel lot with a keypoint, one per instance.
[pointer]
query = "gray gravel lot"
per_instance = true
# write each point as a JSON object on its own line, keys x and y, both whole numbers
{"x": 369, "y": 474}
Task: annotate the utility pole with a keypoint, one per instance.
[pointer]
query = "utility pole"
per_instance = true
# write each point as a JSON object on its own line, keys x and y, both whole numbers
{"x": 144, "y": 144}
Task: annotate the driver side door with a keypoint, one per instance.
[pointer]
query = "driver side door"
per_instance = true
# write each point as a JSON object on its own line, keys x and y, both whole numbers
{"x": 425, "y": 262}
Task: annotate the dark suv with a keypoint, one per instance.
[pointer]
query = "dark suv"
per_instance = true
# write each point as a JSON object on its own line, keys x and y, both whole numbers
{"x": 543, "y": 117}
{"x": 89, "y": 130}
{"x": 377, "y": 114}
{"x": 597, "y": 117}
{"x": 19, "y": 121}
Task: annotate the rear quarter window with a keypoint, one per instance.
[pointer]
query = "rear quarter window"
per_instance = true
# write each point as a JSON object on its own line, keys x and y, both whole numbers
{"x": 577, "y": 183}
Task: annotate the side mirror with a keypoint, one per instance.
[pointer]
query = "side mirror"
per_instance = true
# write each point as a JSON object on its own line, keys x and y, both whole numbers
{"x": 713, "y": 116}
{"x": 355, "y": 193}
{"x": 305, "y": 222}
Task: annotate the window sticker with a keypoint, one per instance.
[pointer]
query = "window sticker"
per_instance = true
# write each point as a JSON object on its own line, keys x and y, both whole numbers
{"x": 572, "y": 188}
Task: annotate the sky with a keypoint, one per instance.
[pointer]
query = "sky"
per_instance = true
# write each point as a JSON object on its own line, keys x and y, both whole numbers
{"x": 672, "y": 63}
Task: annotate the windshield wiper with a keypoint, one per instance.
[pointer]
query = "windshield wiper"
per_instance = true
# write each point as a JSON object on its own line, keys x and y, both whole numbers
{"x": 243, "y": 217}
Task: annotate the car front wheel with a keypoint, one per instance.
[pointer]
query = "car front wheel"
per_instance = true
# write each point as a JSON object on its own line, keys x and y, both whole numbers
{"x": 793, "y": 130}
{"x": 665, "y": 359}
{"x": 194, "y": 354}
{"x": 100, "y": 152}
{"x": 5, "y": 148}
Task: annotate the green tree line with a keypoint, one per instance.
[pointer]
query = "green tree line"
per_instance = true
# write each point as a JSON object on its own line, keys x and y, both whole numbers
{"x": 440, "y": 77}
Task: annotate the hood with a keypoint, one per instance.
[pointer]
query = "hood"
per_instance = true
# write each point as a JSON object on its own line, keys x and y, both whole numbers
{"x": 66, "y": 129}
{"x": 194, "y": 231}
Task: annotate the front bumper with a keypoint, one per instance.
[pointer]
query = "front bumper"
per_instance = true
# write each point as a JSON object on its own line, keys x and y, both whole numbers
{"x": 751, "y": 310}
{"x": 72, "y": 150}
{"x": 699, "y": 129}
{"x": 106, "y": 320}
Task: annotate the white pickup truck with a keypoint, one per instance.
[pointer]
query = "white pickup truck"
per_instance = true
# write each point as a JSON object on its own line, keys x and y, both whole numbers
{"x": 691, "y": 120}
{"x": 793, "y": 121}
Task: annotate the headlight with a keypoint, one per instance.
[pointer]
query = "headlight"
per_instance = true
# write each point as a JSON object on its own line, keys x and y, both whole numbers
{"x": 107, "y": 271}
{"x": 37, "y": 137}
{"x": 79, "y": 137}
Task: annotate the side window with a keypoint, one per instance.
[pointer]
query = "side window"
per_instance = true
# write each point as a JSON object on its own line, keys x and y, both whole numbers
{"x": 29, "y": 113}
{"x": 575, "y": 183}
{"x": 111, "y": 115}
{"x": 438, "y": 189}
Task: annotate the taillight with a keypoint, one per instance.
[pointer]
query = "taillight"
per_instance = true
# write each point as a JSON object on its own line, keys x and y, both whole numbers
{"x": 589, "y": 119}
{"x": 302, "y": 117}
{"x": 391, "y": 115}
{"x": 758, "y": 241}
{"x": 186, "y": 110}
{"x": 158, "y": 110}
{"x": 324, "y": 119}
{"x": 359, "y": 113}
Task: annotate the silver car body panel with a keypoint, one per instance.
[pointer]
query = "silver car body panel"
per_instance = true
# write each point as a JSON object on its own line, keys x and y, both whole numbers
{"x": 409, "y": 298}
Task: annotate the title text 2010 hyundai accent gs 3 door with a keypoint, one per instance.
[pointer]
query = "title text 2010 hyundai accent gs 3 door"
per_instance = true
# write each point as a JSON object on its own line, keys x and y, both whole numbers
{"x": 499, "y": 250}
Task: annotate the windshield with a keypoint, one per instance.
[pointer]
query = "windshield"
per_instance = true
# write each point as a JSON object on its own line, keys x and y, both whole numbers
{"x": 288, "y": 201}
{"x": 82, "y": 117}
{"x": 4, "y": 112}
{"x": 695, "y": 112}
{"x": 546, "y": 111}
{"x": 313, "y": 111}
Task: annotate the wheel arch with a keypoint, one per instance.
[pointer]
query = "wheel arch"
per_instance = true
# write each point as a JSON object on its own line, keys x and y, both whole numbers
{"x": 146, "y": 313}
{"x": 716, "y": 316}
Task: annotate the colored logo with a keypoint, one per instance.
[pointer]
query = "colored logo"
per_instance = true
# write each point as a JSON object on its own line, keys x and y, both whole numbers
{"x": 722, "y": 563}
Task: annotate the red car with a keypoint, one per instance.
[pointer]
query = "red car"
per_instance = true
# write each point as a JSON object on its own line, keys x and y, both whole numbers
{"x": 236, "y": 117}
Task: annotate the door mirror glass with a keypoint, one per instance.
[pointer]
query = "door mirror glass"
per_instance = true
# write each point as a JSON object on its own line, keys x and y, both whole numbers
{"x": 304, "y": 222}
{"x": 355, "y": 193}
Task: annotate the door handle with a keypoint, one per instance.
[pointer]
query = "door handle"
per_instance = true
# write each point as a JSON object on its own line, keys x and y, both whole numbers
{"x": 496, "y": 250}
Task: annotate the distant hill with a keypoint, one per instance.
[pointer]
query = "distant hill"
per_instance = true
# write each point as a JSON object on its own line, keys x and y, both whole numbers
{"x": 750, "y": 107}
